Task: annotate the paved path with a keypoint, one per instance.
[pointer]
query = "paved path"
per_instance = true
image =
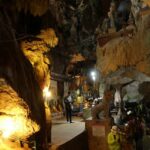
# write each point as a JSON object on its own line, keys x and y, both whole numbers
{"x": 63, "y": 132}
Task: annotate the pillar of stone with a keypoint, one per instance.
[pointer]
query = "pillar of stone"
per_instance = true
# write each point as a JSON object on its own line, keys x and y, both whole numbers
{"x": 97, "y": 133}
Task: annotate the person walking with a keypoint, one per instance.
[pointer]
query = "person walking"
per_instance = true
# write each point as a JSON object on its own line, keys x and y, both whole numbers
{"x": 68, "y": 107}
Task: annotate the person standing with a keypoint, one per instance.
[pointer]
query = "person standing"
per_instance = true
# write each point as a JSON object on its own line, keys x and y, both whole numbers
{"x": 68, "y": 105}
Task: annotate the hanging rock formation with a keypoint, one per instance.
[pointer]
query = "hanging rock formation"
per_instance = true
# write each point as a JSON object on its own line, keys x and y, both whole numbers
{"x": 35, "y": 50}
{"x": 126, "y": 50}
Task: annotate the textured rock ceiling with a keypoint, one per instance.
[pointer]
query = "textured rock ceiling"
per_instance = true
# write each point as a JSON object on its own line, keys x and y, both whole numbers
{"x": 74, "y": 22}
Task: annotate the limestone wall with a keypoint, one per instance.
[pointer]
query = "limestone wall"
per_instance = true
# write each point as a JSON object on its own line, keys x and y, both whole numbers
{"x": 127, "y": 50}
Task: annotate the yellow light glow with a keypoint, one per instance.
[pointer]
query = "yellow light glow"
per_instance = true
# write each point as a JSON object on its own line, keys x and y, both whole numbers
{"x": 15, "y": 123}
{"x": 46, "y": 92}
{"x": 6, "y": 134}
{"x": 7, "y": 127}
{"x": 16, "y": 127}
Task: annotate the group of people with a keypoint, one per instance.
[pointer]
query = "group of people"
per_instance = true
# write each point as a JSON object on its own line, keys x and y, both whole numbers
{"x": 131, "y": 137}
{"x": 132, "y": 133}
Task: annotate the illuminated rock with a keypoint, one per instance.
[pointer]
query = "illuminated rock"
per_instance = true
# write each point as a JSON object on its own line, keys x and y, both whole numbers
{"x": 15, "y": 122}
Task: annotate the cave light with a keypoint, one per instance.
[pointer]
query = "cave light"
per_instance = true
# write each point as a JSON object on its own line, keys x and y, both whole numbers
{"x": 46, "y": 93}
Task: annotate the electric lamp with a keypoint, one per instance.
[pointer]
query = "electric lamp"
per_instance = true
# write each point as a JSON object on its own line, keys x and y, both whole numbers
{"x": 46, "y": 92}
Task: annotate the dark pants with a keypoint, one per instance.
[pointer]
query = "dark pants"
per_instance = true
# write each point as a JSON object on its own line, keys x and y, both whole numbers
{"x": 139, "y": 144}
{"x": 68, "y": 115}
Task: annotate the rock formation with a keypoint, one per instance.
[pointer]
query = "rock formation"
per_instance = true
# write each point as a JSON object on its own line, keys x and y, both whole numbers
{"x": 127, "y": 50}
{"x": 17, "y": 71}
{"x": 124, "y": 55}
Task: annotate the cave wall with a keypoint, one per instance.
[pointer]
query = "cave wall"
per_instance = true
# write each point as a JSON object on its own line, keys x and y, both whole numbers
{"x": 18, "y": 72}
{"x": 125, "y": 49}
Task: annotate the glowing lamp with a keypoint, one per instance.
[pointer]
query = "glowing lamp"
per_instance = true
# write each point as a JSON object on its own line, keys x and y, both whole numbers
{"x": 93, "y": 73}
{"x": 46, "y": 92}
{"x": 94, "y": 78}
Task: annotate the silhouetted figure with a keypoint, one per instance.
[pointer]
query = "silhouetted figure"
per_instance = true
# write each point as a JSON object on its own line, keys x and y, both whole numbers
{"x": 139, "y": 133}
{"x": 68, "y": 105}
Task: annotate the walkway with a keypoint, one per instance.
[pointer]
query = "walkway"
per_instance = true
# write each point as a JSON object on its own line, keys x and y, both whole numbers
{"x": 66, "y": 136}
{"x": 62, "y": 132}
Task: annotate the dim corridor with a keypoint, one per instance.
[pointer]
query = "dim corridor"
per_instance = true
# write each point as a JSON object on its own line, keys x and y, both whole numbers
{"x": 69, "y": 135}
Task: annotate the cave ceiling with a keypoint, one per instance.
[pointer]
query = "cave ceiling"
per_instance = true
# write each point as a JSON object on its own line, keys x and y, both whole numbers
{"x": 74, "y": 22}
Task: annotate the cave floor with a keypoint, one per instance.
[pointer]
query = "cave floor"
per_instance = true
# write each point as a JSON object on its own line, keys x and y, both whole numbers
{"x": 62, "y": 132}
{"x": 66, "y": 136}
